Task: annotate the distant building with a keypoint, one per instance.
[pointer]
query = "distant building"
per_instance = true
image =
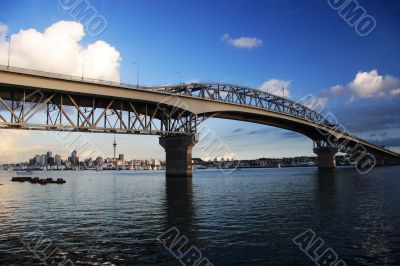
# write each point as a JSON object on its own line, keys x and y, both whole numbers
{"x": 99, "y": 161}
{"x": 43, "y": 160}
{"x": 89, "y": 163}
{"x": 37, "y": 160}
{"x": 74, "y": 160}
{"x": 57, "y": 160}
{"x": 121, "y": 157}
{"x": 155, "y": 162}
{"x": 50, "y": 159}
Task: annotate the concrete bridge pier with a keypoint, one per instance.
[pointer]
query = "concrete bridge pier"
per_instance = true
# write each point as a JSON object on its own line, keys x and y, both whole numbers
{"x": 178, "y": 154}
{"x": 380, "y": 160}
{"x": 326, "y": 157}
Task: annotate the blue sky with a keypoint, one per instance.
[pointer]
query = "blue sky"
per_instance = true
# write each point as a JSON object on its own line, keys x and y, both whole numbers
{"x": 304, "y": 42}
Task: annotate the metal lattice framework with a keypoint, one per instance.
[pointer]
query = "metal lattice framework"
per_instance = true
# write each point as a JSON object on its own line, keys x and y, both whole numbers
{"x": 41, "y": 110}
{"x": 246, "y": 96}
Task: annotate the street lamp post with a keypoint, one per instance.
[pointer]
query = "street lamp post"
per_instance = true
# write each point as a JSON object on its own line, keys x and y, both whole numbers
{"x": 137, "y": 74}
{"x": 180, "y": 77}
{"x": 83, "y": 63}
{"x": 9, "y": 50}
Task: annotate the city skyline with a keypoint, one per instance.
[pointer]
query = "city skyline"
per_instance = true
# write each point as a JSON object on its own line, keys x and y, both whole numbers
{"x": 347, "y": 81}
{"x": 43, "y": 158}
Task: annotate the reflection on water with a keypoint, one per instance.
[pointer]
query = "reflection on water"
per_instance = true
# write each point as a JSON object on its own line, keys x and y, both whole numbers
{"x": 247, "y": 218}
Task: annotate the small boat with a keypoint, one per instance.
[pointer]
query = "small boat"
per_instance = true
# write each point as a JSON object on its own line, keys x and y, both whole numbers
{"x": 21, "y": 178}
{"x": 37, "y": 180}
{"x": 60, "y": 181}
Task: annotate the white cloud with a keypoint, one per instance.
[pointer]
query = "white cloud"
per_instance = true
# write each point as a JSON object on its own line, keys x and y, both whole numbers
{"x": 58, "y": 49}
{"x": 367, "y": 85}
{"x": 395, "y": 91}
{"x": 242, "y": 42}
{"x": 277, "y": 87}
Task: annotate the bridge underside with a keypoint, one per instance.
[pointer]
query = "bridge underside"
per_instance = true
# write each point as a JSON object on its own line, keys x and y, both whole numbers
{"x": 56, "y": 111}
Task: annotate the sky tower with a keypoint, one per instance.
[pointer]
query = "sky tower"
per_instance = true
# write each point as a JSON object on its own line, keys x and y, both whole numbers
{"x": 115, "y": 147}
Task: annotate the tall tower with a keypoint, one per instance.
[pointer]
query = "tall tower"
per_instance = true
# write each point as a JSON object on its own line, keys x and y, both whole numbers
{"x": 115, "y": 149}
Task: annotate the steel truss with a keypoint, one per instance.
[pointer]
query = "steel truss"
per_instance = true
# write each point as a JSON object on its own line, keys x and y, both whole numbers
{"x": 246, "y": 96}
{"x": 43, "y": 110}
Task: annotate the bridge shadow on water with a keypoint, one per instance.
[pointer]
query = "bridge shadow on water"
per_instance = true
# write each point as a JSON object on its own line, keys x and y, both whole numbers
{"x": 179, "y": 208}
{"x": 179, "y": 213}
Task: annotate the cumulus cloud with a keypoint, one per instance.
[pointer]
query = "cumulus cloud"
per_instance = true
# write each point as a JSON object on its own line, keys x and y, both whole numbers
{"x": 395, "y": 91}
{"x": 367, "y": 85}
{"x": 58, "y": 49}
{"x": 277, "y": 87}
{"x": 242, "y": 42}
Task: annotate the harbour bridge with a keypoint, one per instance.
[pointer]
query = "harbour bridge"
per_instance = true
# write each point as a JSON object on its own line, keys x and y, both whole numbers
{"x": 35, "y": 100}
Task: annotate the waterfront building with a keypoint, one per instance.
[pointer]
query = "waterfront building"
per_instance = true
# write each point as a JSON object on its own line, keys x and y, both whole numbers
{"x": 43, "y": 160}
{"x": 73, "y": 159}
{"x": 37, "y": 160}
{"x": 57, "y": 159}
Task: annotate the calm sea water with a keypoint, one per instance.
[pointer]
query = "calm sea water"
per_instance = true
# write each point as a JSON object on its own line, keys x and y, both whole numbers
{"x": 247, "y": 218}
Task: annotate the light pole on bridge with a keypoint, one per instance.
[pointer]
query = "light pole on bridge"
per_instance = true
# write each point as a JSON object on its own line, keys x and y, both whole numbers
{"x": 180, "y": 77}
{"x": 9, "y": 50}
{"x": 83, "y": 63}
{"x": 137, "y": 73}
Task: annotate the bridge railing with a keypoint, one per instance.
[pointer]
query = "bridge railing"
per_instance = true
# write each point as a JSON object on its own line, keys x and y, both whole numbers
{"x": 66, "y": 77}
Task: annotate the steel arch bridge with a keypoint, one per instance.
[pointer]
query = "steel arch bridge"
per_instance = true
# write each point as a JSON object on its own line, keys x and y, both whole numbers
{"x": 35, "y": 100}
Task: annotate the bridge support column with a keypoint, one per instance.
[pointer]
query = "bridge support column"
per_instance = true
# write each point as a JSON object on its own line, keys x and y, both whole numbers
{"x": 326, "y": 157}
{"x": 380, "y": 160}
{"x": 178, "y": 154}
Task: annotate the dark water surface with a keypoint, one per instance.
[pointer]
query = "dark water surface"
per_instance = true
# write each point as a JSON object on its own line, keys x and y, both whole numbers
{"x": 247, "y": 218}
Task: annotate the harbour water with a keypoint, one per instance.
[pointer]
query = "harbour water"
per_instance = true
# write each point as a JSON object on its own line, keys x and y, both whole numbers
{"x": 249, "y": 217}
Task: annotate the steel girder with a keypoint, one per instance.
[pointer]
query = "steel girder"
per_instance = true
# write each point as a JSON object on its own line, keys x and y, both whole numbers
{"x": 43, "y": 110}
